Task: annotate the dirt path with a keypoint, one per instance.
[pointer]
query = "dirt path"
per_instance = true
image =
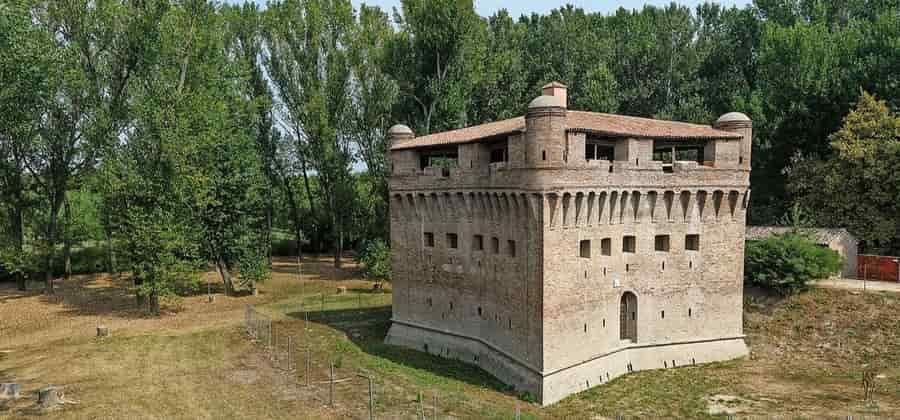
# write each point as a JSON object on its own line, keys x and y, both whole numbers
{"x": 854, "y": 284}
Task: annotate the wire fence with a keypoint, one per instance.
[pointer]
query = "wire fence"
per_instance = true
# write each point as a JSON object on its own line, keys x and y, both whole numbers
{"x": 348, "y": 392}
{"x": 351, "y": 392}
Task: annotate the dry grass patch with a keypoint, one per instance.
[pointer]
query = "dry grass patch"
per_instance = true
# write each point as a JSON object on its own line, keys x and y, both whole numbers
{"x": 807, "y": 357}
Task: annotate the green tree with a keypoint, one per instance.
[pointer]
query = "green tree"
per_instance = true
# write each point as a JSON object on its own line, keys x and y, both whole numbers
{"x": 98, "y": 48}
{"x": 436, "y": 59}
{"x": 310, "y": 69}
{"x": 503, "y": 89}
{"x": 245, "y": 40}
{"x": 858, "y": 185}
{"x": 787, "y": 263}
{"x": 372, "y": 97}
{"x": 24, "y": 64}
{"x": 376, "y": 260}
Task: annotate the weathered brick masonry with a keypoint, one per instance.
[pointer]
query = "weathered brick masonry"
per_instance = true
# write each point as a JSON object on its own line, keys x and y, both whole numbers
{"x": 560, "y": 250}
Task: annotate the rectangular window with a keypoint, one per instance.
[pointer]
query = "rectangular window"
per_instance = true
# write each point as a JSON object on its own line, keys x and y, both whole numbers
{"x": 692, "y": 242}
{"x": 604, "y": 150}
{"x": 585, "y": 249}
{"x": 661, "y": 243}
{"x": 429, "y": 239}
{"x": 452, "y": 240}
{"x": 499, "y": 155}
{"x": 606, "y": 246}
{"x": 629, "y": 244}
{"x": 495, "y": 245}
{"x": 511, "y": 248}
{"x": 478, "y": 243}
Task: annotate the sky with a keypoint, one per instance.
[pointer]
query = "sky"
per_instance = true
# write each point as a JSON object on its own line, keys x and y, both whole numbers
{"x": 520, "y": 7}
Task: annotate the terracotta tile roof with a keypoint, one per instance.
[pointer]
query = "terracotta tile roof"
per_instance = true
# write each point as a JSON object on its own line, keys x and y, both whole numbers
{"x": 635, "y": 127}
{"x": 577, "y": 121}
{"x": 465, "y": 135}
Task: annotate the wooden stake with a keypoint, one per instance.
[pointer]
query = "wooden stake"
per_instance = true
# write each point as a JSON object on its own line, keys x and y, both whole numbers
{"x": 331, "y": 387}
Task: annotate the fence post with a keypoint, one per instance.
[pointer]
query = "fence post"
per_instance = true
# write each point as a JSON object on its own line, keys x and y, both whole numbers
{"x": 371, "y": 380}
{"x": 371, "y": 397}
{"x": 331, "y": 387}
{"x": 290, "y": 358}
{"x": 308, "y": 356}
{"x": 435, "y": 407}
{"x": 322, "y": 310}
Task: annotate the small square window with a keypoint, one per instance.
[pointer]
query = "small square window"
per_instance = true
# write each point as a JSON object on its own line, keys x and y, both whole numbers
{"x": 606, "y": 246}
{"x": 692, "y": 242}
{"x": 429, "y": 239}
{"x": 495, "y": 245}
{"x": 585, "y": 249}
{"x": 478, "y": 243}
{"x": 629, "y": 244}
{"x": 661, "y": 243}
{"x": 511, "y": 248}
{"x": 452, "y": 240}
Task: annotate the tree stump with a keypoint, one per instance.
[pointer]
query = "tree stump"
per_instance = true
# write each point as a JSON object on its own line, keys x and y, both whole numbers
{"x": 50, "y": 397}
{"x": 102, "y": 331}
{"x": 9, "y": 391}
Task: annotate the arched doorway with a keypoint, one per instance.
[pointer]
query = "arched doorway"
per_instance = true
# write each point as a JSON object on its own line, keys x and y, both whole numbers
{"x": 628, "y": 317}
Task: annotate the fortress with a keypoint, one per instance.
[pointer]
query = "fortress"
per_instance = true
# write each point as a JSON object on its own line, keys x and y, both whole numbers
{"x": 562, "y": 249}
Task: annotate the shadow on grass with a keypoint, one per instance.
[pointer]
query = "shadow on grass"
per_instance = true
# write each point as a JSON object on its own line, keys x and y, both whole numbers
{"x": 102, "y": 295}
{"x": 367, "y": 328}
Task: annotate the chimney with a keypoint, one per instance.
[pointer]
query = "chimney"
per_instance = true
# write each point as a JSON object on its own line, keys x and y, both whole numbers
{"x": 558, "y": 90}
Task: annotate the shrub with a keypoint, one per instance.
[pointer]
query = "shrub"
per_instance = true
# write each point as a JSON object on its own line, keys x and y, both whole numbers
{"x": 376, "y": 260}
{"x": 786, "y": 263}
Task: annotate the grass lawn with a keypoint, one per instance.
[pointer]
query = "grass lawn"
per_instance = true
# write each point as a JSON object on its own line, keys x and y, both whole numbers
{"x": 194, "y": 362}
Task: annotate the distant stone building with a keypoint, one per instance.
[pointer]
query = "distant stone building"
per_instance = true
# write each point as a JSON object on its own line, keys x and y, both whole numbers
{"x": 839, "y": 240}
{"x": 562, "y": 249}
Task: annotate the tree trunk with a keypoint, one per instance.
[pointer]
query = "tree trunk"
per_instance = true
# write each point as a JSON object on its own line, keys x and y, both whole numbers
{"x": 298, "y": 238}
{"x": 222, "y": 268}
{"x": 110, "y": 250}
{"x": 154, "y": 303}
{"x": 338, "y": 239}
{"x": 55, "y": 205}
{"x": 138, "y": 297}
{"x": 268, "y": 238}
{"x": 295, "y": 214}
{"x": 18, "y": 233}
{"x": 67, "y": 240}
{"x": 20, "y": 282}
{"x": 49, "y": 397}
{"x": 339, "y": 249}
{"x": 312, "y": 208}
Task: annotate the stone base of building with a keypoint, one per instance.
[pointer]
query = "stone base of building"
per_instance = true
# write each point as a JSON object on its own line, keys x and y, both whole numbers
{"x": 553, "y": 386}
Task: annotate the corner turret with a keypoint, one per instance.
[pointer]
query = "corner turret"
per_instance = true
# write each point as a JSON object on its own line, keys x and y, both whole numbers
{"x": 739, "y": 123}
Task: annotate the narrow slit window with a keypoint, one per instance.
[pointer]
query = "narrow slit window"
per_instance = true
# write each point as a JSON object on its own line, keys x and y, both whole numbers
{"x": 495, "y": 245}
{"x": 606, "y": 246}
{"x": 429, "y": 239}
{"x": 511, "y": 248}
